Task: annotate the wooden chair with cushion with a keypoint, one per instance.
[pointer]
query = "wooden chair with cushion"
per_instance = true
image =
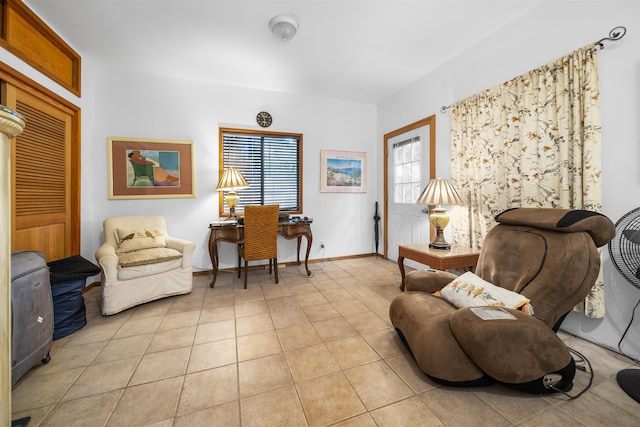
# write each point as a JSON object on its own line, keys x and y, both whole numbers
{"x": 260, "y": 237}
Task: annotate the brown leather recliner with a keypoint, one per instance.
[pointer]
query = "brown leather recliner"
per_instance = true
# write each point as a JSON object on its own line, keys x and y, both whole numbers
{"x": 548, "y": 255}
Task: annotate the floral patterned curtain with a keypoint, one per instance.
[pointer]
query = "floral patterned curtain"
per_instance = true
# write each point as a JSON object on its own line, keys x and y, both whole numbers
{"x": 533, "y": 141}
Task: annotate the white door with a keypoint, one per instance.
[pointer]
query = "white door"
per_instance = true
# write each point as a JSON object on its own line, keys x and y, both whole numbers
{"x": 408, "y": 174}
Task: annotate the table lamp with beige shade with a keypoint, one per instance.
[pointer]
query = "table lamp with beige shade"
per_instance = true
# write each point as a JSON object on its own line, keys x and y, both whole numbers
{"x": 439, "y": 192}
{"x": 231, "y": 181}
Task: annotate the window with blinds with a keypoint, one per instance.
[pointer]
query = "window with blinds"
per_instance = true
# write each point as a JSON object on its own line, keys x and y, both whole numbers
{"x": 407, "y": 170}
{"x": 270, "y": 162}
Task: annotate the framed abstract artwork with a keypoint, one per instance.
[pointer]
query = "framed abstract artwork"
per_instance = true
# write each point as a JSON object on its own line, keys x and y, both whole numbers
{"x": 150, "y": 168}
{"x": 343, "y": 171}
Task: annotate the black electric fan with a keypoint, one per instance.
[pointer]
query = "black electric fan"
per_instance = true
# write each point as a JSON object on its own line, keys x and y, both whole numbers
{"x": 624, "y": 250}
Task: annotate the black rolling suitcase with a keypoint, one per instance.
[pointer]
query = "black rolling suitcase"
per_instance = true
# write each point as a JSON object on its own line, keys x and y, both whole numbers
{"x": 31, "y": 312}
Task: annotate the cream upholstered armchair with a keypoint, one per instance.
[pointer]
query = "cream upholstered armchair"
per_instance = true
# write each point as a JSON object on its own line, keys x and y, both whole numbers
{"x": 140, "y": 262}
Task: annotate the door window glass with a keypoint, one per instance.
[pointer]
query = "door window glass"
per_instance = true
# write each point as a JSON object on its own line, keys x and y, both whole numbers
{"x": 407, "y": 170}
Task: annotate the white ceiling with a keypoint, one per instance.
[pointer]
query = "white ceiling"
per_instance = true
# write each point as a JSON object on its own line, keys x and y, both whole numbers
{"x": 354, "y": 50}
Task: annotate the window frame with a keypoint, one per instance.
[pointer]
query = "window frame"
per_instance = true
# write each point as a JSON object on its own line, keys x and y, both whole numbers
{"x": 258, "y": 132}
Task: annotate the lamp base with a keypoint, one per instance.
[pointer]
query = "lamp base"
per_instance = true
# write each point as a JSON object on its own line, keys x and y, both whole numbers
{"x": 435, "y": 245}
{"x": 439, "y": 219}
{"x": 232, "y": 213}
{"x": 232, "y": 200}
{"x": 439, "y": 242}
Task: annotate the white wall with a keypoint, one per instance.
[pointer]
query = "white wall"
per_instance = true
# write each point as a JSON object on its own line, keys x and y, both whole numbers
{"x": 115, "y": 103}
{"x": 147, "y": 106}
{"x": 543, "y": 34}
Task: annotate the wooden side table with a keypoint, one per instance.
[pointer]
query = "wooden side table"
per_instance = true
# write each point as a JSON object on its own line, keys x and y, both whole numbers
{"x": 441, "y": 259}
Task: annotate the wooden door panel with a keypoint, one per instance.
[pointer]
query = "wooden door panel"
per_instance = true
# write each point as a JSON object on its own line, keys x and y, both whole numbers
{"x": 47, "y": 239}
{"x": 42, "y": 208}
{"x": 405, "y": 225}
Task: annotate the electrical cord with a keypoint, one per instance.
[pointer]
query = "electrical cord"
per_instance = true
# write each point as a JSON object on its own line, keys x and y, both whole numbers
{"x": 581, "y": 358}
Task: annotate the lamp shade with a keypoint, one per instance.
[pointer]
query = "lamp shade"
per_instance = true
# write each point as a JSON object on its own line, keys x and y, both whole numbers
{"x": 440, "y": 192}
{"x": 232, "y": 179}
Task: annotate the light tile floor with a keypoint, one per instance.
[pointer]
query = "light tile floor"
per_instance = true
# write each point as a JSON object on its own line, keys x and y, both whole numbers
{"x": 307, "y": 352}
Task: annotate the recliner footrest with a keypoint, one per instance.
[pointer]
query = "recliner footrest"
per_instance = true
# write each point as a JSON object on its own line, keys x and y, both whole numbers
{"x": 514, "y": 348}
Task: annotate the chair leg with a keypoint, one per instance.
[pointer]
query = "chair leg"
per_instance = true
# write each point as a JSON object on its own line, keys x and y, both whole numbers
{"x": 275, "y": 268}
{"x": 246, "y": 271}
{"x": 270, "y": 261}
{"x": 239, "y": 268}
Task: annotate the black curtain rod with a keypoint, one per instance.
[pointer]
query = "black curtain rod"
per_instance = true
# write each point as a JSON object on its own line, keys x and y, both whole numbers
{"x": 615, "y": 34}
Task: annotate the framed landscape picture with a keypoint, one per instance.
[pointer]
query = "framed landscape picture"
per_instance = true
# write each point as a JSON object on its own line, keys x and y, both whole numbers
{"x": 343, "y": 171}
{"x": 150, "y": 168}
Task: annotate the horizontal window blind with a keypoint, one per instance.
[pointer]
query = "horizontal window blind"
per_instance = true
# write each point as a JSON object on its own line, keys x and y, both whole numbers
{"x": 271, "y": 165}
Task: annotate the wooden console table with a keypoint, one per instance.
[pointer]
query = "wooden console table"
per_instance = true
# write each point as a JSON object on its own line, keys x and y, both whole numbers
{"x": 235, "y": 234}
{"x": 441, "y": 259}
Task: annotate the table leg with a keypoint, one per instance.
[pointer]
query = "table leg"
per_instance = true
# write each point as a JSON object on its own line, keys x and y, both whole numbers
{"x": 401, "y": 266}
{"x": 309, "y": 237}
{"x": 306, "y": 257}
{"x": 213, "y": 254}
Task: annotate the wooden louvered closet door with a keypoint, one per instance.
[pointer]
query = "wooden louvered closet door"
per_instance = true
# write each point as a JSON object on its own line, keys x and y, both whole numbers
{"x": 44, "y": 211}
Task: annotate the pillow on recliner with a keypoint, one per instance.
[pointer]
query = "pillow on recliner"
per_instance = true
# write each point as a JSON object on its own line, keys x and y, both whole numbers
{"x": 133, "y": 240}
{"x": 469, "y": 290}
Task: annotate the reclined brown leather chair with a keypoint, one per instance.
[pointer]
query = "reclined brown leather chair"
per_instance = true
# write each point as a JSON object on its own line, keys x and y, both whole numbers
{"x": 548, "y": 256}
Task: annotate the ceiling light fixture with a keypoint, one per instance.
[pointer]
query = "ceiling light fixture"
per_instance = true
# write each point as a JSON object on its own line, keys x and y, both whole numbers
{"x": 284, "y": 27}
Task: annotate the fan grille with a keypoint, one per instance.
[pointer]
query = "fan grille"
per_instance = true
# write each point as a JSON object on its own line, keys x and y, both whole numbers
{"x": 624, "y": 248}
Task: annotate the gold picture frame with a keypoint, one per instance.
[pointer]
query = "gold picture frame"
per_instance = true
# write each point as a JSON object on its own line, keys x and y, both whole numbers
{"x": 150, "y": 168}
{"x": 343, "y": 171}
